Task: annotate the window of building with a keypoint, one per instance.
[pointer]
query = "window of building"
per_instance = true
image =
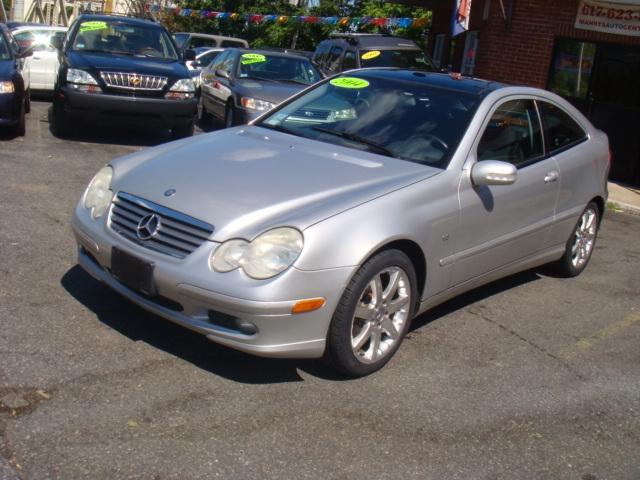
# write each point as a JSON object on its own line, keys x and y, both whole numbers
{"x": 513, "y": 134}
{"x": 561, "y": 131}
{"x": 571, "y": 68}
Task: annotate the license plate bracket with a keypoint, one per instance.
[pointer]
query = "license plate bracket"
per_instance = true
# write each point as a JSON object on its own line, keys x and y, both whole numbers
{"x": 133, "y": 272}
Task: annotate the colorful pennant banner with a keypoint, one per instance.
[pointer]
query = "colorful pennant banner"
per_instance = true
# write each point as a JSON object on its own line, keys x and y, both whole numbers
{"x": 402, "y": 22}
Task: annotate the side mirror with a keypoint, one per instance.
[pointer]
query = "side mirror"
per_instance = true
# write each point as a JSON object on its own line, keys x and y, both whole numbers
{"x": 493, "y": 172}
{"x": 222, "y": 73}
{"x": 56, "y": 42}
{"x": 189, "y": 54}
{"x": 27, "y": 52}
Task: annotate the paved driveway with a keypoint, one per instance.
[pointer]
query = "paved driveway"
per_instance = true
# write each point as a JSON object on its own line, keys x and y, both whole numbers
{"x": 532, "y": 377}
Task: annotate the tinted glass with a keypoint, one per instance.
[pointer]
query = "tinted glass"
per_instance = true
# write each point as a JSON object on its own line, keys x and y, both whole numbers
{"x": 571, "y": 69}
{"x": 4, "y": 49}
{"x": 349, "y": 60}
{"x": 207, "y": 58}
{"x": 404, "y": 119}
{"x": 40, "y": 40}
{"x": 281, "y": 68}
{"x": 333, "y": 62}
{"x": 232, "y": 43}
{"x": 513, "y": 134}
{"x": 560, "y": 129}
{"x": 320, "y": 53}
{"x": 396, "y": 58}
{"x": 121, "y": 38}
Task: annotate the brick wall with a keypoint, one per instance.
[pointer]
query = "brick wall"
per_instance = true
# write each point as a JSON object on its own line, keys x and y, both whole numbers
{"x": 521, "y": 53}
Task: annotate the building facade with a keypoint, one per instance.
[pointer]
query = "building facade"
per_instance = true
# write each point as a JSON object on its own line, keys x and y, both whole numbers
{"x": 564, "y": 46}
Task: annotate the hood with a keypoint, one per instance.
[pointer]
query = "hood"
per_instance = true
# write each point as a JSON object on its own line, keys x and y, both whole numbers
{"x": 274, "y": 92}
{"x": 246, "y": 180}
{"x": 124, "y": 63}
{"x": 7, "y": 69}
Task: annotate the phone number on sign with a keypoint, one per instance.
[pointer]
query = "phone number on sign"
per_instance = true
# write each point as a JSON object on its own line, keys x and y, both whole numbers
{"x": 611, "y": 13}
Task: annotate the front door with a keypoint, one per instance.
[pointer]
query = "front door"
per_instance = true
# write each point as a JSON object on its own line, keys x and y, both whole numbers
{"x": 503, "y": 224}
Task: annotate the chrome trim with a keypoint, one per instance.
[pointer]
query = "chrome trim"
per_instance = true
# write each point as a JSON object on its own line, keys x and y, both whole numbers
{"x": 177, "y": 234}
{"x": 134, "y": 81}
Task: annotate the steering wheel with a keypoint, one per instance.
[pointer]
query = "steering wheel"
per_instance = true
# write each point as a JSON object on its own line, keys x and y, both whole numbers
{"x": 149, "y": 51}
{"x": 437, "y": 141}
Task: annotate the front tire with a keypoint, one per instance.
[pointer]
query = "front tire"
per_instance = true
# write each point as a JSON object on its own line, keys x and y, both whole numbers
{"x": 182, "y": 131}
{"x": 27, "y": 101}
{"x": 373, "y": 315}
{"x": 21, "y": 126}
{"x": 581, "y": 243}
{"x": 59, "y": 122}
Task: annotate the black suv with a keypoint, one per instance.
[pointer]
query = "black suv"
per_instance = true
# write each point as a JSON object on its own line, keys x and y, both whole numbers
{"x": 346, "y": 51}
{"x": 126, "y": 70}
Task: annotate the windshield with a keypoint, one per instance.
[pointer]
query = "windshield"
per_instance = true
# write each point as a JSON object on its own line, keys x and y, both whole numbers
{"x": 4, "y": 49}
{"x": 277, "y": 67}
{"x": 122, "y": 38}
{"x": 396, "y": 58}
{"x": 381, "y": 113}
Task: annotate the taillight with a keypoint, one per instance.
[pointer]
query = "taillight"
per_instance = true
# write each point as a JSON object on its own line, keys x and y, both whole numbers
{"x": 610, "y": 157}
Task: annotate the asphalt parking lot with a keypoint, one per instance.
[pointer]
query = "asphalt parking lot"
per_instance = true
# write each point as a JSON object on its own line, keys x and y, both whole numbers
{"x": 532, "y": 377}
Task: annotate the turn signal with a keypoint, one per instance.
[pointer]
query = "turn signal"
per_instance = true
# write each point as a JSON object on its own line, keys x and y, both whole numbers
{"x": 308, "y": 305}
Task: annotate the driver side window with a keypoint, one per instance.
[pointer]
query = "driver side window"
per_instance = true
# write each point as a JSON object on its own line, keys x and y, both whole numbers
{"x": 513, "y": 134}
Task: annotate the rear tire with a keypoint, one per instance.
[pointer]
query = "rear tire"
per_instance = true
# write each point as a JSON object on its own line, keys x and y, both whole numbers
{"x": 580, "y": 244}
{"x": 373, "y": 315}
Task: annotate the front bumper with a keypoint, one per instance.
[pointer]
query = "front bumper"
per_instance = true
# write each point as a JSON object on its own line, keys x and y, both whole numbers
{"x": 10, "y": 104}
{"x": 126, "y": 110}
{"x": 189, "y": 284}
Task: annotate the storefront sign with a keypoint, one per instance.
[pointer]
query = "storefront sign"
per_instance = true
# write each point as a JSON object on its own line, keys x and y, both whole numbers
{"x": 609, "y": 17}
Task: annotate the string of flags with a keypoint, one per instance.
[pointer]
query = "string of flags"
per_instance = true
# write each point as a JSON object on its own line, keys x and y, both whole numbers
{"x": 402, "y": 22}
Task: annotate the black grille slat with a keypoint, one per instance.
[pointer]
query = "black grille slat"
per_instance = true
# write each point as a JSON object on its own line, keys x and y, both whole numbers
{"x": 178, "y": 235}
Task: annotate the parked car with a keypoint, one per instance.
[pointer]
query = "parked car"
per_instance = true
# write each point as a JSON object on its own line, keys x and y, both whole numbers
{"x": 292, "y": 237}
{"x": 44, "y": 63}
{"x": 204, "y": 56}
{"x": 241, "y": 84}
{"x": 346, "y": 51}
{"x": 126, "y": 70}
{"x": 186, "y": 40}
{"x": 15, "y": 97}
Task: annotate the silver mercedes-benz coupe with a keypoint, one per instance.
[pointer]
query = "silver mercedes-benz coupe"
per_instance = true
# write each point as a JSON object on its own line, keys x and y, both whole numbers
{"x": 326, "y": 225}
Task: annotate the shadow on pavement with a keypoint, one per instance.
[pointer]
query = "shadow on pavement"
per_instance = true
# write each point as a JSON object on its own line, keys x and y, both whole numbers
{"x": 139, "y": 325}
{"x": 104, "y": 133}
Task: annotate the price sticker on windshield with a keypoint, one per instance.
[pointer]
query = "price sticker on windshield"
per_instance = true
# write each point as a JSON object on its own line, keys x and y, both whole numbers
{"x": 249, "y": 58}
{"x": 370, "y": 55}
{"x": 90, "y": 26}
{"x": 349, "y": 82}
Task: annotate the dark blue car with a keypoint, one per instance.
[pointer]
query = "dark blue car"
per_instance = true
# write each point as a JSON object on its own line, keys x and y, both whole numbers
{"x": 14, "y": 95}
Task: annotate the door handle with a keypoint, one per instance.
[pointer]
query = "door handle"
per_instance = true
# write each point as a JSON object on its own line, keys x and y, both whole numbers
{"x": 551, "y": 176}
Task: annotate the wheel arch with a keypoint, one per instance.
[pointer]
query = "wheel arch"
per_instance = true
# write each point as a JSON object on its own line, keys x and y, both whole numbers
{"x": 599, "y": 201}
{"x": 412, "y": 250}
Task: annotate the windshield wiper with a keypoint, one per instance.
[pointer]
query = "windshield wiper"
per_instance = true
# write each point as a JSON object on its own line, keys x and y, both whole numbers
{"x": 255, "y": 77}
{"x": 358, "y": 139}
{"x": 291, "y": 80}
{"x": 277, "y": 128}
{"x": 106, "y": 52}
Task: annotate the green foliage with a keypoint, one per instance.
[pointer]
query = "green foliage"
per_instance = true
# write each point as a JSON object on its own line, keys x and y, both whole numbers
{"x": 305, "y": 36}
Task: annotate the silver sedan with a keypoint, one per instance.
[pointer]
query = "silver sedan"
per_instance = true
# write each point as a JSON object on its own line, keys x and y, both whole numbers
{"x": 325, "y": 226}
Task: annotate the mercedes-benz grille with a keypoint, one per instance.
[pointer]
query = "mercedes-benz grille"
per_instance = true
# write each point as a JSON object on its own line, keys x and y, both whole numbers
{"x": 170, "y": 232}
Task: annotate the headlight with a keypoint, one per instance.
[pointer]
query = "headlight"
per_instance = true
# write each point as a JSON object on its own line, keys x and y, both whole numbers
{"x": 98, "y": 195}
{"x": 183, "y": 89}
{"x": 80, "y": 76}
{"x": 7, "y": 87}
{"x": 266, "y": 256}
{"x": 256, "y": 104}
{"x": 184, "y": 85}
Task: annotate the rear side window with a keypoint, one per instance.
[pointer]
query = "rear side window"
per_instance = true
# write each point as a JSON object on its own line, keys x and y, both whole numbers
{"x": 333, "y": 63}
{"x": 231, "y": 43}
{"x": 202, "y": 42}
{"x": 561, "y": 131}
{"x": 513, "y": 134}
{"x": 321, "y": 53}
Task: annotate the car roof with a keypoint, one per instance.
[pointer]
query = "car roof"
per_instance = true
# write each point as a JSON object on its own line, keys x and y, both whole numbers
{"x": 120, "y": 18}
{"x": 376, "y": 41}
{"x": 209, "y": 35}
{"x": 462, "y": 84}
{"x": 271, "y": 53}
{"x": 22, "y": 28}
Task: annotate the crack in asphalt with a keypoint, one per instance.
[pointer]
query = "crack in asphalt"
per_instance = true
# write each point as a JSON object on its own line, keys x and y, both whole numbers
{"x": 477, "y": 312}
